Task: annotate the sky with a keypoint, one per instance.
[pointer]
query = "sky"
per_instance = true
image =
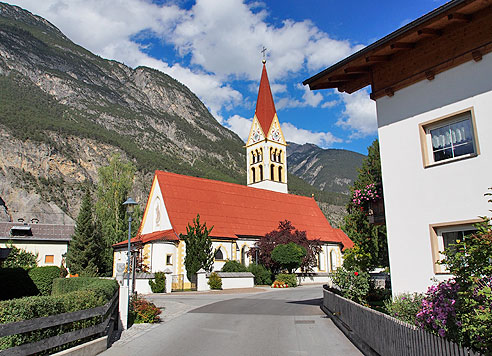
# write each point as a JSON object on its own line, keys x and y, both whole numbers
{"x": 214, "y": 48}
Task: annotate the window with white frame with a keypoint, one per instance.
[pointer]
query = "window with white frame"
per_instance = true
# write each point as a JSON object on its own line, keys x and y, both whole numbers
{"x": 449, "y": 138}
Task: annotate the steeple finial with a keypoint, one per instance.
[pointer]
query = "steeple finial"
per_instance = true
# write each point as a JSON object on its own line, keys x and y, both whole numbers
{"x": 264, "y": 55}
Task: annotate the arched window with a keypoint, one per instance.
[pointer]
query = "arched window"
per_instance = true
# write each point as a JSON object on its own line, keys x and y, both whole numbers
{"x": 253, "y": 174}
{"x": 272, "y": 157}
{"x": 280, "y": 174}
{"x": 261, "y": 154}
{"x": 218, "y": 254}
{"x": 261, "y": 172}
{"x": 253, "y": 157}
{"x": 279, "y": 156}
{"x": 272, "y": 172}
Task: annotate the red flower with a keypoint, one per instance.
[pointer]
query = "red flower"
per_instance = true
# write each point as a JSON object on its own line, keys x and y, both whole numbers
{"x": 356, "y": 273}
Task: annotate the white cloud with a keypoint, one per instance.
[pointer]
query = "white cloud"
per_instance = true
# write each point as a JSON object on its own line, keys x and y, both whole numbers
{"x": 359, "y": 114}
{"x": 301, "y": 136}
{"x": 223, "y": 40}
{"x": 240, "y": 125}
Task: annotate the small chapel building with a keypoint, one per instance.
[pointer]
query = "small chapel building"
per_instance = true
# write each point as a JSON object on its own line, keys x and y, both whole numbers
{"x": 239, "y": 214}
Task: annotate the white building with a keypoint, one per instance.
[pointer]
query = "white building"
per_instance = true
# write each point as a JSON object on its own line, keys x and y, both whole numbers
{"x": 431, "y": 83}
{"x": 239, "y": 214}
{"x": 48, "y": 241}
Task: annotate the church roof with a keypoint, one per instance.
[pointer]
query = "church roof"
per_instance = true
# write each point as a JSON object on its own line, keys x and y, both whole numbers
{"x": 265, "y": 107}
{"x": 236, "y": 210}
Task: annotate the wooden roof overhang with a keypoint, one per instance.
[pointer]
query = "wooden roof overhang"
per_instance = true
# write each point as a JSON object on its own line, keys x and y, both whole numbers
{"x": 457, "y": 32}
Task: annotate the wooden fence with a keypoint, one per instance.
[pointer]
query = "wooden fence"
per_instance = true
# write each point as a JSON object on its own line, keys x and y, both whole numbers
{"x": 108, "y": 312}
{"x": 387, "y": 335}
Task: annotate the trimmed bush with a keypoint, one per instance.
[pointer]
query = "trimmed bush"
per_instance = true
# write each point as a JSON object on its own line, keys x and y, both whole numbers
{"x": 405, "y": 307}
{"x": 158, "y": 285}
{"x": 43, "y": 278}
{"x": 262, "y": 275}
{"x": 214, "y": 281}
{"x": 95, "y": 292}
{"x": 144, "y": 311}
{"x": 289, "y": 279}
{"x": 21, "y": 258}
{"x": 234, "y": 266}
{"x": 16, "y": 283}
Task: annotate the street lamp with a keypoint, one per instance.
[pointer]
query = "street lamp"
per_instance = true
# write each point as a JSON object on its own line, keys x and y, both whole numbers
{"x": 130, "y": 205}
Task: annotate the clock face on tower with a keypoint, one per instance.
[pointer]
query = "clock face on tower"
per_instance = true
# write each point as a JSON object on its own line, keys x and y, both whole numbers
{"x": 256, "y": 136}
{"x": 276, "y": 135}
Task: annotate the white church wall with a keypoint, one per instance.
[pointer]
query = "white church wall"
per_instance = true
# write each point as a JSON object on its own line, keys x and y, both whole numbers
{"x": 161, "y": 250}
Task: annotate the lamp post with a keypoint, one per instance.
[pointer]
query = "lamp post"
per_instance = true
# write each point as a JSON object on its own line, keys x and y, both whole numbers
{"x": 130, "y": 205}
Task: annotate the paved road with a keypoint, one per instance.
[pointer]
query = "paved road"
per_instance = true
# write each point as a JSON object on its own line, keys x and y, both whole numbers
{"x": 276, "y": 322}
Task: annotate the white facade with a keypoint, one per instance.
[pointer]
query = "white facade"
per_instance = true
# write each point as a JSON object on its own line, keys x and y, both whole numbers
{"x": 420, "y": 199}
{"x": 50, "y": 253}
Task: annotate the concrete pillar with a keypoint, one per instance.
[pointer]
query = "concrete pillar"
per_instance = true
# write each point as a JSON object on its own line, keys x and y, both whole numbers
{"x": 201, "y": 280}
{"x": 169, "y": 280}
{"x": 123, "y": 305}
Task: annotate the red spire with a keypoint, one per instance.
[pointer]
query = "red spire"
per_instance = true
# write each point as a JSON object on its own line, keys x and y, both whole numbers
{"x": 265, "y": 108}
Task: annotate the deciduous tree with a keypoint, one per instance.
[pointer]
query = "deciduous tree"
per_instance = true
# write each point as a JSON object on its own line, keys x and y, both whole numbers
{"x": 284, "y": 234}
{"x": 289, "y": 256}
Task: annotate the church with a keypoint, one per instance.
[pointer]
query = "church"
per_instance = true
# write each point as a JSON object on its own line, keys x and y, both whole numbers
{"x": 239, "y": 214}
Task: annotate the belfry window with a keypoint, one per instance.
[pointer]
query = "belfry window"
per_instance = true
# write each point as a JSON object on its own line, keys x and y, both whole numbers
{"x": 272, "y": 172}
{"x": 261, "y": 172}
{"x": 280, "y": 174}
{"x": 253, "y": 175}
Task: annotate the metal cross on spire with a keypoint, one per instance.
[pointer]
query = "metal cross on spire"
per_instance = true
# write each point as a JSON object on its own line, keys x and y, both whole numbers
{"x": 264, "y": 54}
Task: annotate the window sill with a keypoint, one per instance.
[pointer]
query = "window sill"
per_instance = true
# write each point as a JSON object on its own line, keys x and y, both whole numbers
{"x": 460, "y": 158}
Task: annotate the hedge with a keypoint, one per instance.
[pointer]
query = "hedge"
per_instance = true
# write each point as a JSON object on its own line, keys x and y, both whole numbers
{"x": 159, "y": 285}
{"x": 43, "y": 278}
{"x": 73, "y": 295}
{"x": 16, "y": 283}
{"x": 263, "y": 276}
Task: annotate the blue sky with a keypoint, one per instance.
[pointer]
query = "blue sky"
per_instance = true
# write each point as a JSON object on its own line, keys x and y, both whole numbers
{"x": 213, "y": 47}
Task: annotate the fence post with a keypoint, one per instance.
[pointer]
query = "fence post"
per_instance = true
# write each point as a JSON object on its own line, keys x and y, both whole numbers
{"x": 123, "y": 306}
{"x": 169, "y": 280}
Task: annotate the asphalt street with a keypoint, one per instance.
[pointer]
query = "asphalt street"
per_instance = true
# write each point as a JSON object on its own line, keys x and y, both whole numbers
{"x": 275, "y": 322}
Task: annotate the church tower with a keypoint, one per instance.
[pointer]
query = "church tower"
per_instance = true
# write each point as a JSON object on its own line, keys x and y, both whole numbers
{"x": 266, "y": 147}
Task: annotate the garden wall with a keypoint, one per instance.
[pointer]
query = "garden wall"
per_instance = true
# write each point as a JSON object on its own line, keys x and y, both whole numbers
{"x": 230, "y": 280}
{"x": 311, "y": 278}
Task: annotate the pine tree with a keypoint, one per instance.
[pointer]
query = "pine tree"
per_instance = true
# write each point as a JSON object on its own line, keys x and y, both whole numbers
{"x": 370, "y": 239}
{"x": 84, "y": 255}
{"x": 199, "y": 253}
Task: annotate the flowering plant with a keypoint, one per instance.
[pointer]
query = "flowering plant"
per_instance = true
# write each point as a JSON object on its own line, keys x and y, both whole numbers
{"x": 362, "y": 196}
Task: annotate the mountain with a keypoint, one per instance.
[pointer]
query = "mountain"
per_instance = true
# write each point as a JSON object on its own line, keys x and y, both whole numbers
{"x": 330, "y": 170}
{"x": 65, "y": 111}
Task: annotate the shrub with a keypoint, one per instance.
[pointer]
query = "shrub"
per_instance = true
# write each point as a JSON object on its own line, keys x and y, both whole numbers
{"x": 159, "y": 283}
{"x": 353, "y": 285}
{"x": 144, "y": 311}
{"x": 94, "y": 294}
{"x": 43, "y": 278}
{"x": 20, "y": 258}
{"x": 289, "y": 256}
{"x": 234, "y": 266}
{"x": 262, "y": 275}
{"x": 214, "y": 281}
{"x": 16, "y": 283}
{"x": 405, "y": 307}
{"x": 289, "y": 279}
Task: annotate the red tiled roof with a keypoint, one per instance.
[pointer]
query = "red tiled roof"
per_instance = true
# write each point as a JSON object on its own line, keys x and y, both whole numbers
{"x": 167, "y": 235}
{"x": 236, "y": 210}
{"x": 265, "y": 108}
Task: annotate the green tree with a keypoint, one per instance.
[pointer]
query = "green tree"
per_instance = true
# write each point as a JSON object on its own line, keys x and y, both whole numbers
{"x": 85, "y": 254}
{"x": 198, "y": 248}
{"x": 289, "y": 256}
{"x": 113, "y": 188}
{"x": 369, "y": 238}
{"x": 20, "y": 258}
